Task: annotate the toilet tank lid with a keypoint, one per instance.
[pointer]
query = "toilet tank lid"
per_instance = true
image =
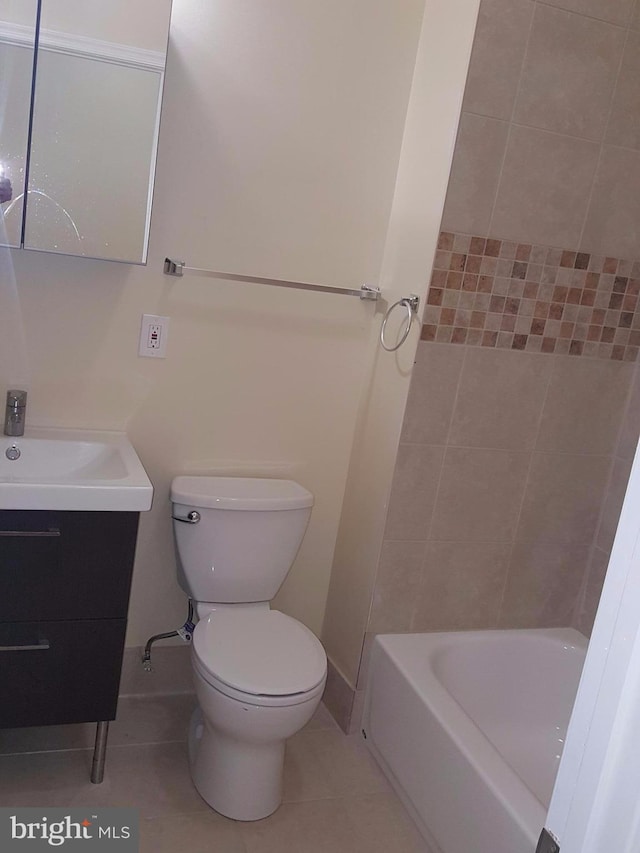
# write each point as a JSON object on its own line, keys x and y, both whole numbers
{"x": 240, "y": 493}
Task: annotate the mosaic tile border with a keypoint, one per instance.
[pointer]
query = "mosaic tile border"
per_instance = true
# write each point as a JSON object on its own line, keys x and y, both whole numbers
{"x": 495, "y": 293}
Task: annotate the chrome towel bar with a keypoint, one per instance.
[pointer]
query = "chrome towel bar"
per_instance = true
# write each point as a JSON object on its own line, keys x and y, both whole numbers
{"x": 178, "y": 268}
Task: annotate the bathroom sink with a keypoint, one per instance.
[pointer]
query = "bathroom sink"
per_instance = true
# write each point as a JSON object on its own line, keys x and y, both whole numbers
{"x": 72, "y": 470}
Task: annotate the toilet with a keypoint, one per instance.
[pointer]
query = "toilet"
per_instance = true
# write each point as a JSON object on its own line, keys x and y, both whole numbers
{"x": 259, "y": 674}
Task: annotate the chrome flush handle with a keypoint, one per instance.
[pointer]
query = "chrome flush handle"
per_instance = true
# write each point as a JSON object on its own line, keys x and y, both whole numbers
{"x": 192, "y": 518}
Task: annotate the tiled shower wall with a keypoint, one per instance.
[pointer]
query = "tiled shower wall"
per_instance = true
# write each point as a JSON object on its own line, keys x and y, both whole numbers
{"x": 521, "y": 421}
{"x": 502, "y": 480}
{"x": 610, "y": 511}
{"x": 496, "y": 293}
{"x": 548, "y": 151}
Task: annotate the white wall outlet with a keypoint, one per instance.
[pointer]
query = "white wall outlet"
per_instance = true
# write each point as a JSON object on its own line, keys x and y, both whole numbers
{"x": 153, "y": 336}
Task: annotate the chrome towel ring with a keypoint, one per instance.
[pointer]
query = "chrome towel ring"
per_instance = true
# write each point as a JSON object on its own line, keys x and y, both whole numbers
{"x": 411, "y": 303}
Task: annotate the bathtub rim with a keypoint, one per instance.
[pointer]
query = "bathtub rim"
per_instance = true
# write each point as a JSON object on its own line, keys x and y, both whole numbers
{"x": 522, "y": 805}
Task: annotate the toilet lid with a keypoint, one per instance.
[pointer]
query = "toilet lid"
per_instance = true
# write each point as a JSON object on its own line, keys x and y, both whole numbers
{"x": 260, "y": 652}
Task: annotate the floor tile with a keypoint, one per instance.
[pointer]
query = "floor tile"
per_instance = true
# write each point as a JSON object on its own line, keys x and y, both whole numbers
{"x": 201, "y": 832}
{"x": 350, "y": 768}
{"x": 381, "y": 824}
{"x": 305, "y": 778}
{"x": 336, "y": 799}
{"x": 322, "y": 826}
{"x": 153, "y": 719}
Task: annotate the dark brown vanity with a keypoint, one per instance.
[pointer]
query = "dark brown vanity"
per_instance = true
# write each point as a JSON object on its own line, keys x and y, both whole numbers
{"x": 65, "y": 579}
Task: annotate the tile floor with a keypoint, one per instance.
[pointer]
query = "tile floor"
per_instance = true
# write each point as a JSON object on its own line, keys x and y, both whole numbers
{"x": 335, "y": 797}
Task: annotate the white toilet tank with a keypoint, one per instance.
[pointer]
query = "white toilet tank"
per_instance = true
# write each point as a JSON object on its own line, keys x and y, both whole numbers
{"x": 246, "y": 539}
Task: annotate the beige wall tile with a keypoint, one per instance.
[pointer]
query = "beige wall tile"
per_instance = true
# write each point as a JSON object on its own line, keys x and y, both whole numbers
{"x": 615, "y": 11}
{"x": 432, "y": 393}
{"x": 363, "y": 672}
{"x": 585, "y": 405}
{"x": 598, "y": 566}
{"x": 624, "y": 123}
{"x": 413, "y": 493}
{"x": 569, "y": 73}
{"x": 496, "y": 59}
{"x": 544, "y": 188}
{"x": 479, "y": 496}
{"x": 543, "y": 583}
{"x": 612, "y": 505}
{"x": 500, "y": 399}
{"x": 563, "y": 498}
{"x": 613, "y": 221}
{"x": 630, "y": 430}
{"x": 397, "y": 584}
{"x": 635, "y": 17}
{"x": 357, "y": 712}
{"x": 474, "y": 174}
{"x": 338, "y": 696}
{"x": 462, "y": 586}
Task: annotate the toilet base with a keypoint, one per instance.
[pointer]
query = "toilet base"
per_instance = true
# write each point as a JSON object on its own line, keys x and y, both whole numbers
{"x": 242, "y": 781}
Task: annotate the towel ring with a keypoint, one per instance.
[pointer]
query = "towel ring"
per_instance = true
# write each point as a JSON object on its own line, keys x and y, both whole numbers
{"x": 411, "y": 303}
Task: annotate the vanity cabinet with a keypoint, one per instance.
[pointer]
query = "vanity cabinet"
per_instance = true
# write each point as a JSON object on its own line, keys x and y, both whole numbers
{"x": 65, "y": 579}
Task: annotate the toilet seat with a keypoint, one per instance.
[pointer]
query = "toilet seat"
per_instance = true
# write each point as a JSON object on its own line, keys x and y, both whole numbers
{"x": 261, "y": 655}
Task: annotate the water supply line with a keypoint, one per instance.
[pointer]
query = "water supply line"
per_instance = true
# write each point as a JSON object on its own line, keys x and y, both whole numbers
{"x": 185, "y": 633}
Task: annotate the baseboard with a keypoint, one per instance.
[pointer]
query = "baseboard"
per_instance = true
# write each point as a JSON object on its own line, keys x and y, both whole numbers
{"x": 339, "y": 697}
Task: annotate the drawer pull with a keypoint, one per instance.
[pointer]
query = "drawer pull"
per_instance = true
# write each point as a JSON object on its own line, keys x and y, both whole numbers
{"x": 53, "y": 531}
{"x": 43, "y": 645}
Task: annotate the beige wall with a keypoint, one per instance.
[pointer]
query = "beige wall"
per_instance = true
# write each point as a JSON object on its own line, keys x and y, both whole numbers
{"x": 434, "y": 111}
{"x": 274, "y": 161}
{"x": 550, "y": 133}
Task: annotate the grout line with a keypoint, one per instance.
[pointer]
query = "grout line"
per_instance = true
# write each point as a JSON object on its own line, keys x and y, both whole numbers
{"x": 561, "y": 134}
{"x": 585, "y": 15}
{"x": 446, "y": 441}
{"x": 65, "y": 750}
{"x": 511, "y": 119}
{"x": 437, "y": 491}
{"x": 507, "y": 449}
{"x": 596, "y": 172}
{"x": 524, "y": 491}
{"x": 594, "y": 542}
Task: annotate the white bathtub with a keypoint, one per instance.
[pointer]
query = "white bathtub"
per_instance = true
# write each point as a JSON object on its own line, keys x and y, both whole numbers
{"x": 469, "y": 728}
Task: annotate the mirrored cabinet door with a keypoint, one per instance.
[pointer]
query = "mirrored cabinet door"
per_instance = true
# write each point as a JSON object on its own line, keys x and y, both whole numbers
{"x": 84, "y": 135}
{"x": 17, "y": 48}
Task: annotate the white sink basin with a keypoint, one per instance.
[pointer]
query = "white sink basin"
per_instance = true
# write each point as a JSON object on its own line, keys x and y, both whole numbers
{"x": 72, "y": 470}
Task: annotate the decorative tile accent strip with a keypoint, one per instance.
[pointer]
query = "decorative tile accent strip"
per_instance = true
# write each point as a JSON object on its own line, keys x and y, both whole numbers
{"x": 494, "y": 293}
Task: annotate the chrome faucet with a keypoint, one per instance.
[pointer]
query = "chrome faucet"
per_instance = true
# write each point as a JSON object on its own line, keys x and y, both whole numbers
{"x": 15, "y": 412}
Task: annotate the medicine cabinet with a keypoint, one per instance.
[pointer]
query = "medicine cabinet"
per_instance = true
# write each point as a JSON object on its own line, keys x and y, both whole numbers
{"x": 80, "y": 92}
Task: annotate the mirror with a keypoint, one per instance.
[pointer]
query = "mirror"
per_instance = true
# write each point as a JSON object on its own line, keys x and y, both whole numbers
{"x": 17, "y": 53}
{"x": 94, "y": 113}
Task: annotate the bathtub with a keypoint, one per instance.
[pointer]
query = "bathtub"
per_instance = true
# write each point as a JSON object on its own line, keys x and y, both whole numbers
{"x": 469, "y": 728}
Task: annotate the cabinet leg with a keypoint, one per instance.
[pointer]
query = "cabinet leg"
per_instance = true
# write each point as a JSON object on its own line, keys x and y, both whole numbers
{"x": 99, "y": 753}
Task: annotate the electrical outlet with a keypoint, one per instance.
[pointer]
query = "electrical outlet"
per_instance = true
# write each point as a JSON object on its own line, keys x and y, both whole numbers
{"x": 153, "y": 336}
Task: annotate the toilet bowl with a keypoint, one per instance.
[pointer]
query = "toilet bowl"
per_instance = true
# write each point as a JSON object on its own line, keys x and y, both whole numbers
{"x": 259, "y": 674}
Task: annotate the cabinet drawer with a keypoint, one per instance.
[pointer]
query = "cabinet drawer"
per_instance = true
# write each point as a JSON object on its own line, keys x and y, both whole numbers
{"x": 65, "y": 565}
{"x": 59, "y": 672}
